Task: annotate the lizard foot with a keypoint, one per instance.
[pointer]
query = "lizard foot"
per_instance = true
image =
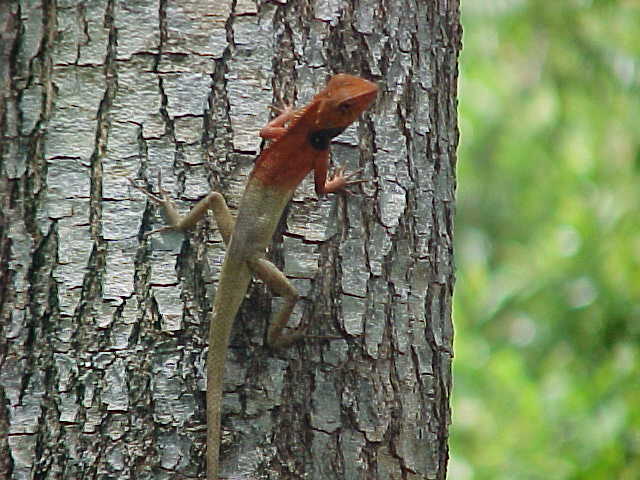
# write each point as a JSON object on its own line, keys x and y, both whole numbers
{"x": 340, "y": 181}
{"x": 163, "y": 199}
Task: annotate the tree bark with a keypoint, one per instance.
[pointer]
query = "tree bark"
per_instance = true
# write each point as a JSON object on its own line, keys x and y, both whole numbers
{"x": 103, "y": 333}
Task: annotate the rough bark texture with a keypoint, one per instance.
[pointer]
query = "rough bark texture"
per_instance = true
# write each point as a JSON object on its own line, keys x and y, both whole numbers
{"x": 102, "y": 333}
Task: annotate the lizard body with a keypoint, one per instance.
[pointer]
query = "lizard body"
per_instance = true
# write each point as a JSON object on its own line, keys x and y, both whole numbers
{"x": 297, "y": 149}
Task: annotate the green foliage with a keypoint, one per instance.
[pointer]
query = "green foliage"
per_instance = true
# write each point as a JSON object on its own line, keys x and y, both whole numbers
{"x": 547, "y": 306}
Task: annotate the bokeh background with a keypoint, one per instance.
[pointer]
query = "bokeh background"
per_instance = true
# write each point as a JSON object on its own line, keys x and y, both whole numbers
{"x": 547, "y": 301}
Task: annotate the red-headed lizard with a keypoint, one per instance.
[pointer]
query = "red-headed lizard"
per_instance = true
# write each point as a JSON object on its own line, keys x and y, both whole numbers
{"x": 300, "y": 144}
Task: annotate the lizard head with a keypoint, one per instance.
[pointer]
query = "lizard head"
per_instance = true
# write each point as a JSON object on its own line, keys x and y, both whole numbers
{"x": 343, "y": 99}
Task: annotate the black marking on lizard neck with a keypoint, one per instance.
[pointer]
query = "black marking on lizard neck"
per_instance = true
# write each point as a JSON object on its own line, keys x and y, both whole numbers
{"x": 320, "y": 139}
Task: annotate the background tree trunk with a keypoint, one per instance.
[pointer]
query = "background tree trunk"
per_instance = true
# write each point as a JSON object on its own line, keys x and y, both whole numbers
{"x": 103, "y": 334}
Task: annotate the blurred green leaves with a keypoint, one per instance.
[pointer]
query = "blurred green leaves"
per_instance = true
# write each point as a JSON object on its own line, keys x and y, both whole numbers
{"x": 547, "y": 306}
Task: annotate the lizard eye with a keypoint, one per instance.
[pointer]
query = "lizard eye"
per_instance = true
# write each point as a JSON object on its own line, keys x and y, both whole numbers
{"x": 344, "y": 107}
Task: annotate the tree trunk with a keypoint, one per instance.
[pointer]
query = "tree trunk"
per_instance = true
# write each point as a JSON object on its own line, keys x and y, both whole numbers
{"x": 103, "y": 333}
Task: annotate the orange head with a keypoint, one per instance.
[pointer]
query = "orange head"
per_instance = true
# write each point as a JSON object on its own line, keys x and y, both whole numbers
{"x": 343, "y": 99}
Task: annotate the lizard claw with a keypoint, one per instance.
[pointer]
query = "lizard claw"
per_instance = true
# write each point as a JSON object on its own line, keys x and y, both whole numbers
{"x": 359, "y": 180}
{"x": 340, "y": 181}
{"x": 286, "y": 109}
{"x": 161, "y": 198}
{"x": 153, "y": 197}
{"x": 300, "y": 333}
{"x": 277, "y": 127}
{"x": 352, "y": 174}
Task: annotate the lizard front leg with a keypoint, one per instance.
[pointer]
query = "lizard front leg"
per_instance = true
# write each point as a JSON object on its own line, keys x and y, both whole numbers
{"x": 277, "y": 127}
{"x": 214, "y": 201}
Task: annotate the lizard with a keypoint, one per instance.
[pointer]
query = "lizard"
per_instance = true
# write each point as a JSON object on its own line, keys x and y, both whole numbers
{"x": 299, "y": 144}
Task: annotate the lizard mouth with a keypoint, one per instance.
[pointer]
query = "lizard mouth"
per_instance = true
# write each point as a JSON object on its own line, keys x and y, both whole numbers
{"x": 320, "y": 139}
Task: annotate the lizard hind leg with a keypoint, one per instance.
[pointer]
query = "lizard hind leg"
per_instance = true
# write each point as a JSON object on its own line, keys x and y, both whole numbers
{"x": 282, "y": 286}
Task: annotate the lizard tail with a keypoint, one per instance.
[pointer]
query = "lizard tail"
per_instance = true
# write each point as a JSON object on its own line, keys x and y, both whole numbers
{"x": 233, "y": 284}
